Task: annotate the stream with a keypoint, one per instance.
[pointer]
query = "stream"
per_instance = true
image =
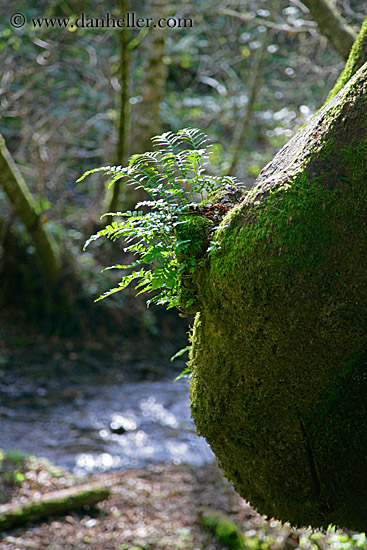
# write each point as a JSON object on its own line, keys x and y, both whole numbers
{"x": 106, "y": 426}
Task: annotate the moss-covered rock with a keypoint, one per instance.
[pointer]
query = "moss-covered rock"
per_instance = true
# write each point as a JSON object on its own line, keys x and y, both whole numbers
{"x": 279, "y": 356}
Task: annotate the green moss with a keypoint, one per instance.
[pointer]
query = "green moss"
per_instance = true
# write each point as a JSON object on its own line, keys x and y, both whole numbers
{"x": 194, "y": 232}
{"x": 195, "y": 229}
{"x": 55, "y": 503}
{"x": 357, "y": 57}
{"x": 279, "y": 367}
{"x": 224, "y": 529}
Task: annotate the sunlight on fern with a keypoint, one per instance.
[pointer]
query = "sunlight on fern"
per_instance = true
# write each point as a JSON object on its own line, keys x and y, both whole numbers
{"x": 175, "y": 178}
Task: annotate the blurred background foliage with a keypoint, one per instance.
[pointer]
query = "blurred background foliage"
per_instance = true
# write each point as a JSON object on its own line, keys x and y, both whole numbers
{"x": 247, "y": 72}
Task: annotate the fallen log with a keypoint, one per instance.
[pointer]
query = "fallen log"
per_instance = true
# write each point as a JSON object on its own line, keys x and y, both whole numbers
{"x": 55, "y": 502}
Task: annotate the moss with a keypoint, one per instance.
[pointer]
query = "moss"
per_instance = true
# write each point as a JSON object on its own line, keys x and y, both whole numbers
{"x": 224, "y": 529}
{"x": 194, "y": 229}
{"x": 278, "y": 358}
{"x": 52, "y": 503}
{"x": 194, "y": 232}
{"x": 357, "y": 57}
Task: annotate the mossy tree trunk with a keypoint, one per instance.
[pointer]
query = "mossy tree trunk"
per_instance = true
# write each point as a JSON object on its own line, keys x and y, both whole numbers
{"x": 279, "y": 357}
{"x": 25, "y": 208}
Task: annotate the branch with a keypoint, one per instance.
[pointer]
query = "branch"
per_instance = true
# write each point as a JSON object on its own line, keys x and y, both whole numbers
{"x": 247, "y": 17}
{"x": 56, "y": 502}
{"x": 332, "y": 25}
{"x": 22, "y": 201}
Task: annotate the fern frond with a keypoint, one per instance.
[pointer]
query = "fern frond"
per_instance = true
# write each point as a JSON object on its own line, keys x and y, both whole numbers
{"x": 194, "y": 137}
{"x": 172, "y": 175}
{"x": 123, "y": 283}
{"x": 106, "y": 232}
{"x": 167, "y": 142}
{"x": 107, "y": 169}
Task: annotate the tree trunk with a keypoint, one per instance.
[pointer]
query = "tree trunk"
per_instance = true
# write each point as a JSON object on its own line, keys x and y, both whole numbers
{"x": 56, "y": 502}
{"x": 332, "y": 25}
{"x": 25, "y": 208}
{"x": 121, "y": 153}
{"x": 146, "y": 120}
{"x": 279, "y": 356}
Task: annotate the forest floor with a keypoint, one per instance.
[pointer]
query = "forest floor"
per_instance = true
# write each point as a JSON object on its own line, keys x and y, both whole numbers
{"x": 160, "y": 507}
{"x": 152, "y": 508}
{"x": 155, "y": 508}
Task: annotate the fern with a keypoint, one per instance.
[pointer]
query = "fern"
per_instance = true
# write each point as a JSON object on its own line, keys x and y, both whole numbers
{"x": 173, "y": 176}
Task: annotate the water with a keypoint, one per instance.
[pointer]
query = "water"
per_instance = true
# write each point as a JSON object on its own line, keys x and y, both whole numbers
{"x": 120, "y": 426}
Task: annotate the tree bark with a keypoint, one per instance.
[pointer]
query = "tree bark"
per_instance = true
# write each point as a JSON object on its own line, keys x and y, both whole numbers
{"x": 145, "y": 116}
{"x": 56, "y": 502}
{"x": 279, "y": 356}
{"x": 123, "y": 128}
{"x": 332, "y": 25}
{"x": 25, "y": 208}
